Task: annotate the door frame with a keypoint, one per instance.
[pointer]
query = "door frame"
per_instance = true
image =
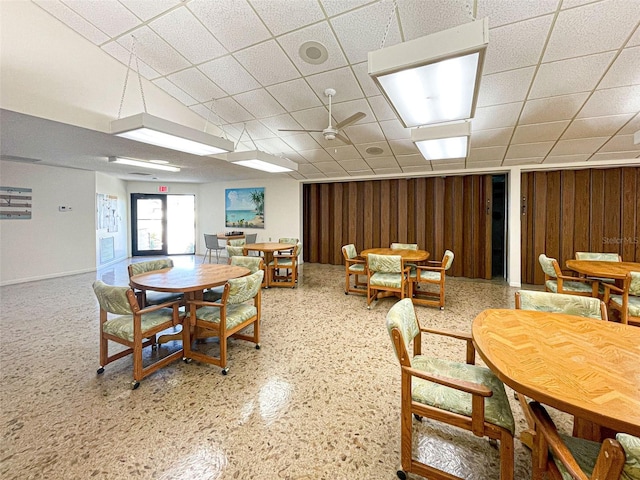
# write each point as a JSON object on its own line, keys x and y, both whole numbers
{"x": 134, "y": 227}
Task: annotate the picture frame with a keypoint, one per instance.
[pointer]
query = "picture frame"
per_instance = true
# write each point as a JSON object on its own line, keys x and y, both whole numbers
{"x": 244, "y": 207}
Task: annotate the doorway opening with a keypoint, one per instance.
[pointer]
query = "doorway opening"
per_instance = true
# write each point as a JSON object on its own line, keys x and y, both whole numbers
{"x": 498, "y": 227}
{"x": 162, "y": 224}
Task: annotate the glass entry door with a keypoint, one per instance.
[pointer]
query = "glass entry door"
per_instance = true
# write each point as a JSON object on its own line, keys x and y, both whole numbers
{"x": 162, "y": 224}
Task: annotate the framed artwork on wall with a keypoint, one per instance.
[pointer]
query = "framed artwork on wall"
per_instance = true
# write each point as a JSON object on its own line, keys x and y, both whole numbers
{"x": 244, "y": 207}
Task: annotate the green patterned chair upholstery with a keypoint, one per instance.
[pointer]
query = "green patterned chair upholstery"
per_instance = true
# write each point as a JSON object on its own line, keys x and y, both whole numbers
{"x": 557, "y": 282}
{"x": 283, "y": 269}
{"x": 252, "y": 263}
{"x": 459, "y": 394}
{"x": 561, "y": 457}
{"x": 386, "y": 273}
{"x": 149, "y": 297}
{"x": 404, "y": 246}
{"x": 625, "y": 300}
{"x": 122, "y": 321}
{"x": 561, "y": 303}
{"x": 353, "y": 266}
{"x": 424, "y": 277}
{"x": 603, "y": 257}
{"x": 234, "y": 251}
{"x": 236, "y": 242}
{"x": 238, "y": 309}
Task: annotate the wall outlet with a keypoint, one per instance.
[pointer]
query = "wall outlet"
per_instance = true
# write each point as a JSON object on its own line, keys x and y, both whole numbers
{"x": 64, "y": 208}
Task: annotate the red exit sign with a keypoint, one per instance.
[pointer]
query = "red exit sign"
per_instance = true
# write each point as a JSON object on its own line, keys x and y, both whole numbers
{"x": 163, "y": 189}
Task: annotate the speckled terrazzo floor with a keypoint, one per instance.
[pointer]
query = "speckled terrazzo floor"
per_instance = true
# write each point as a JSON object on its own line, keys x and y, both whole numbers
{"x": 320, "y": 400}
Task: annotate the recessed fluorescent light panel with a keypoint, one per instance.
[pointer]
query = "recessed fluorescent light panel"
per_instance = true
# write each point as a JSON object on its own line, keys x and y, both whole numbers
{"x": 262, "y": 161}
{"x": 163, "y": 133}
{"x": 143, "y": 164}
{"x": 441, "y": 142}
{"x": 433, "y": 79}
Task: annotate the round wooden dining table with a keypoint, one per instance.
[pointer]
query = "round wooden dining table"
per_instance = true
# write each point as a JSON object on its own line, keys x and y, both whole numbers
{"x": 268, "y": 248}
{"x": 407, "y": 255}
{"x": 598, "y": 268}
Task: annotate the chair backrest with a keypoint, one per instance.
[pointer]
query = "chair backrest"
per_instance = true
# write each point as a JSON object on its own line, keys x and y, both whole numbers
{"x": 236, "y": 242}
{"x": 114, "y": 299}
{"x": 349, "y": 251}
{"x": 402, "y": 317}
{"x": 547, "y": 264}
{"x": 244, "y": 288}
{"x": 288, "y": 240}
{"x": 634, "y": 285}
{"x": 561, "y": 303}
{"x": 211, "y": 241}
{"x": 252, "y": 263}
{"x": 251, "y": 238}
{"x": 447, "y": 259}
{"x": 631, "y": 447}
{"x": 235, "y": 251}
{"x": 299, "y": 249}
{"x": 603, "y": 257}
{"x": 149, "y": 266}
{"x": 404, "y": 246}
{"x": 384, "y": 263}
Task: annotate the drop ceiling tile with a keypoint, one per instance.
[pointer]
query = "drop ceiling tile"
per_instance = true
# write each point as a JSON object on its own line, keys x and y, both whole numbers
{"x": 491, "y": 138}
{"x": 121, "y": 53}
{"x": 295, "y": 95}
{"x": 502, "y": 13}
{"x": 566, "y": 158}
{"x": 330, "y": 167}
{"x": 275, "y": 146}
{"x": 412, "y": 161}
{"x": 487, "y": 154}
{"x": 600, "y": 156}
{"x": 483, "y": 164}
{"x": 624, "y": 71}
{"x": 362, "y": 30}
{"x": 259, "y": 103}
{"x": 321, "y": 33}
{"x": 612, "y": 101}
{"x": 355, "y": 165}
{"x": 635, "y": 39}
{"x": 453, "y": 164}
{"x": 403, "y": 147}
{"x": 393, "y": 130}
{"x": 317, "y": 176}
{"x": 527, "y": 150}
{"x": 316, "y": 155}
{"x": 620, "y": 143}
{"x": 188, "y": 36}
{"x": 307, "y": 168}
{"x": 517, "y": 45}
{"x": 345, "y": 152}
{"x": 73, "y": 20}
{"x": 418, "y": 169}
{"x": 312, "y": 118}
{"x": 154, "y": 51}
{"x": 110, "y": 16}
{"x": 440, "y": 15}
{"x": 254, "y": 130}
{"x": 505, "y": 87}
{"x": 365, "y": 133}
{"x": 235, "y": 26}
{"x": 342, "y": 81}
{"x": 196, "y": 84}
{"x": 522, "y": 161}
{"x": 552, "y": 109}
{"x": 381, "y": 162}
{"x": 175, "y": 92}
{"x": 295, "y": 157}
{"x": 381, "y": 108}
{"x": 384, "y": 146}
{"x": 145, "y": 9}
{"x": 342, "y": 111}
{"x": 369, "y": 87}
{"x": 552, "y": 78}
{"x": 230, "y": 111}
{"x": 335, "y": 7}
{"x": 632, "y": 126}
{"x": 267, "y": 63}
{"x": 301, "y": 141}
{"x": 296, "y": 175}
{"x": 282, "y": 16}
{"x": 592, "y": 28}
{"x": 229, "y": 75}
{"x": 573, "y": 3}
{"x": 496, "y": 116}
{"x": 285, "y": 121}
{"x": 578, "y": 145}
{"x": 595, "y": 127}
{"x": 539, "y": 132}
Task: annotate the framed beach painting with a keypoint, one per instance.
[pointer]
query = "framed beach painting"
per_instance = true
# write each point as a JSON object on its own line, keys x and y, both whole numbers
{"x": 244, "y": 207}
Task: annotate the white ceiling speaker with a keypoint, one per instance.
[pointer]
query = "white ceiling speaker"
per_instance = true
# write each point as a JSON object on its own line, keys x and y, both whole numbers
{"x": 332, "y": 132}
{"x": 314, "y": 53}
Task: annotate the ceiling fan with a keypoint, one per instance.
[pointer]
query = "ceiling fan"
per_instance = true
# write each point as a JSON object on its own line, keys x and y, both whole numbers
{"x": 333, "y": 131}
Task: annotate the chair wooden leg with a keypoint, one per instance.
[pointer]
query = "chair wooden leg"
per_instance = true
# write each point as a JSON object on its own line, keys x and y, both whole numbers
{"x": 506, "y": 456}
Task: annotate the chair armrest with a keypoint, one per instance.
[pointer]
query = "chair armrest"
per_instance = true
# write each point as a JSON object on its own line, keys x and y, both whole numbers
{"x": 577, "y": 279}
{"x": 471, "y": 349}
{"x": 439, "y": 262}
{"x": 353, "y": 261}
{"x": 432, "y": 269}
{"x": 204, "y": 303}
{"x": 462, "y": 385}
{"x": 174, "y": 304}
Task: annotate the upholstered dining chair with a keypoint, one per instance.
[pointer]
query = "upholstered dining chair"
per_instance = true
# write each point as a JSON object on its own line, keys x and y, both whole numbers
{"x": 353, "y": 266}
{"x": 124, "y": 322}
{"x": 252, "y": 263}
{"x": 235, "y": 250}
{"x": 603, "y": 257}
{"x": 557, "y": 282}
{"x": 213, "y": 245}
{"x": 149, "y": 297}
{"x": 459, "y": 394}
{"x": 238, "y": 309}
{"x": 560, "y": 457}
{"x": 404, "y": 246}
{"x": 428, "y": 276}
{"x": 625, "y": 300}
{"x": 386, "y": 273}
{"x": 283, "y": 269}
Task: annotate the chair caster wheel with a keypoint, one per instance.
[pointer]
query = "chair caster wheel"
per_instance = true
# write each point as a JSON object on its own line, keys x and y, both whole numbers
{"x": 346, "y": 293}
{"x": 186, "y": 360}
{"x": 401, "y": 475}
{"x": 441, "y": 308}
{"x": 100, "y": 370}
{"x": 225, "y": 371}
{"x": 493, "y": 443}
{"x": 135, "y": 384}
{"x": 417, "y": 417}
{"x": 154, "y": 347}
{"x": 257, "y": 346}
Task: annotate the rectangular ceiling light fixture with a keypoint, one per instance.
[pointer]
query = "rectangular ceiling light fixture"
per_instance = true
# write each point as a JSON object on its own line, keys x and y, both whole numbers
{"x": 436, "y": 78}
{"x": 143, "y": 164}
{"x": 262, "y": 161}
{"x": 441, "y": 142}
{"x": 163, "y": 133}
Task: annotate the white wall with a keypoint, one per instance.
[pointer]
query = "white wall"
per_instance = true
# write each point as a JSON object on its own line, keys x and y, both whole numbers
{"x": 51, "y": 243}
{"x": 109, "y": 185}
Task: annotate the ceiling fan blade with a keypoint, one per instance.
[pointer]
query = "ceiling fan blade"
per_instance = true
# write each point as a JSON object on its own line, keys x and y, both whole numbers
{"x": 352, "y": 119}
{"x": 343, "y": 139}
{"x": 290, "y": 130}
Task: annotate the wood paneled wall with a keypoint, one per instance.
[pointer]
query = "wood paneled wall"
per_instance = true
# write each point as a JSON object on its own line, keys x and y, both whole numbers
{"x": 437, "y": 213}
{"x": 568, "y": 211}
